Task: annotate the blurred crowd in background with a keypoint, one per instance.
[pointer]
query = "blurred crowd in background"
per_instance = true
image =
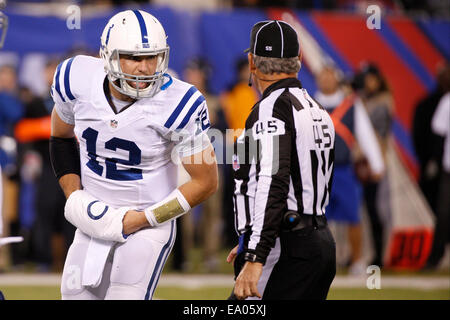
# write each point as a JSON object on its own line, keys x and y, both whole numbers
{"x": 435, "y": 8}
{"x": 34, "y": 204}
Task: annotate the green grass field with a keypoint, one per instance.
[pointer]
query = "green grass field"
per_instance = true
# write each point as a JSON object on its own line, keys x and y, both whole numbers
{"x": 220, "y": 293}
{"x": 18, "y": 292}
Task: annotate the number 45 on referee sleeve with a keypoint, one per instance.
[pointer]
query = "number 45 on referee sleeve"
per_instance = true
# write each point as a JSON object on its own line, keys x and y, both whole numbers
{"x": 326, "y": 137}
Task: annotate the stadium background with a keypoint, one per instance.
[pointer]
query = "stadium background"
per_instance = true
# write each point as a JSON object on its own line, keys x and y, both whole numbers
{"x": 408, "y": 50}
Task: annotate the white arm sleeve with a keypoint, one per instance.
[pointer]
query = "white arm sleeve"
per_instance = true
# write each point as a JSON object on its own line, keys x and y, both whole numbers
{"x": 367, "y": 139}
{"x": 64, "y": 111}
{"x": 192, "y": 145}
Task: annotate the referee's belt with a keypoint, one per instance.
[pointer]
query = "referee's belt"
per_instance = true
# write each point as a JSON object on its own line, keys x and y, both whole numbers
{"x": 293, "y": 221}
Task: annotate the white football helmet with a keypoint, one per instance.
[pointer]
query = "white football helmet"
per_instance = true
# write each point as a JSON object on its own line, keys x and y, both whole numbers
{"x": 138, "y": 33}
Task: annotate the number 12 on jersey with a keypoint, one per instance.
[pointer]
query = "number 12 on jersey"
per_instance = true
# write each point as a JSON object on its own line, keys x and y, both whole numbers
{"x": 91, "y": 135}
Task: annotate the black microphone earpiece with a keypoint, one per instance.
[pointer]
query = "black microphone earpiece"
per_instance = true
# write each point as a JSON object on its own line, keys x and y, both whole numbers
{"x": 250, "y": 80}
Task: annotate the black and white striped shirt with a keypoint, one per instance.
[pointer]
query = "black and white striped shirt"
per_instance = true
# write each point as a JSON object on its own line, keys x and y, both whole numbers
{"x": 283, "y": 161}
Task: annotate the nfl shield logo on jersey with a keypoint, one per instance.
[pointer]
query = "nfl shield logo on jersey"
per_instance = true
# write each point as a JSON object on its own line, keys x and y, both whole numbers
{"x": 236, "y": 164}
{"x": 113, "y": 124}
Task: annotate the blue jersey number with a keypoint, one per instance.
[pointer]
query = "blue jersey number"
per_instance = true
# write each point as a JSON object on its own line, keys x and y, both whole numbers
{"x": 91, "y": 135}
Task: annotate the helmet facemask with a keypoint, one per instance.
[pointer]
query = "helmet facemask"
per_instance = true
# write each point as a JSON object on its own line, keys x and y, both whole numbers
{"x": 120, "y": 79}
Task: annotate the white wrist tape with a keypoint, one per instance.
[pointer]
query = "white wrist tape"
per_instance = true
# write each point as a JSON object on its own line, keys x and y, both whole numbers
{"x": 94, "y": 217}
{"x": 172, "y": 207}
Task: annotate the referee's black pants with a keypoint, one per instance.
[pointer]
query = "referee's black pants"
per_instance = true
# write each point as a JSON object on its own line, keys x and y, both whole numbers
{"x": 306, "y": 266}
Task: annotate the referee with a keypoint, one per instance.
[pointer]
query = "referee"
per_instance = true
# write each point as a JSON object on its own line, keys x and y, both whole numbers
{"x": 283, "y": 167}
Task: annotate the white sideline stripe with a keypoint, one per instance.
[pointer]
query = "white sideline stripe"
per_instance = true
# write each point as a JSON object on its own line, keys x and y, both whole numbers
{"x": 425, "y": 283}
{"x": 221, "y": 280}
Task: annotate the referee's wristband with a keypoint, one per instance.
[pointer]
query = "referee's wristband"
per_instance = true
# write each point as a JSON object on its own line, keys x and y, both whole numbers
{"x": 252, "y": 257}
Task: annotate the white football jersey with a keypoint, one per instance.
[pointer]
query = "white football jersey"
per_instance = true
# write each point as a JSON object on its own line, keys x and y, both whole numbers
{"x": 127, "y": 158}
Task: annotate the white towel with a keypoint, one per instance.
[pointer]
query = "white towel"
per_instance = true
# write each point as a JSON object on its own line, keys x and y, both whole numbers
{"x": 7, "y": 240}
{"x": 95, "y": 218}
{"x": 96, "y": 256}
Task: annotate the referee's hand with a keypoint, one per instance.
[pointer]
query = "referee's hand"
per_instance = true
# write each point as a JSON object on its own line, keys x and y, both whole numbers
{"x": 247, "y": 280}
{"x": 232, "y": 255}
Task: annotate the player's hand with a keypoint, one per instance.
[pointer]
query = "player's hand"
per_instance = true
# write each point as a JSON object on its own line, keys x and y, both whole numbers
{"x": 247, "y": 280}
{"x": 232, "y": 255}
{"x": 133, "y": 221}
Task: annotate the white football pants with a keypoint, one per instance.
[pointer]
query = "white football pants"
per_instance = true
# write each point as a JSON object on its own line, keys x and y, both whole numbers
{"x": 132, "y": 269}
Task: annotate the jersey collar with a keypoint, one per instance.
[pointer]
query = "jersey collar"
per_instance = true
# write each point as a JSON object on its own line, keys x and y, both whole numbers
{"x": 283, "y": 83}
{"x": 107, "y": 93}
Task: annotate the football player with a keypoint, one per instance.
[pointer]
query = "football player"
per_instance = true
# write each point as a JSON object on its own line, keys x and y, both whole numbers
{"x": 119, "y": 124}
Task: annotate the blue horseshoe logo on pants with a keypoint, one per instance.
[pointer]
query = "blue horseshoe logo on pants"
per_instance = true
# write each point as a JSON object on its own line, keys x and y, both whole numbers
{"x": 93, "y": 216}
